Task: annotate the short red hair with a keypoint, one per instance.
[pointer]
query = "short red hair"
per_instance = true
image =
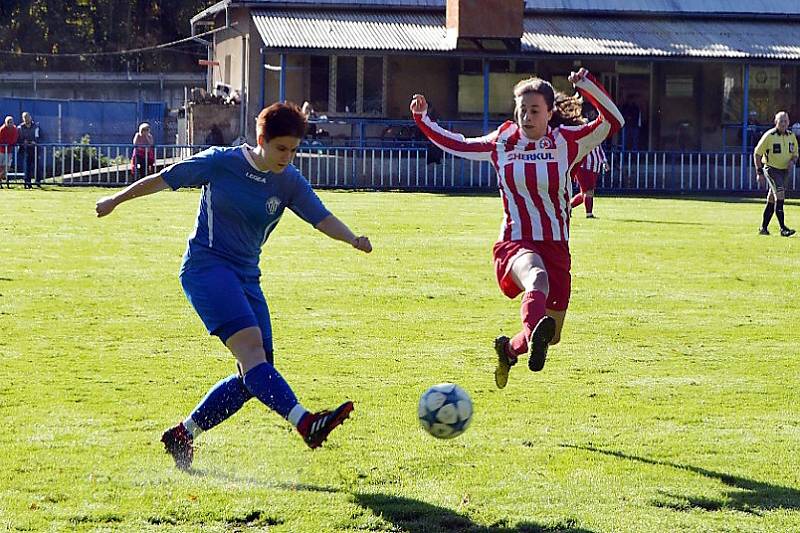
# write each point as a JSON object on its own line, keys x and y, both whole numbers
{"x": 281, "y": 119}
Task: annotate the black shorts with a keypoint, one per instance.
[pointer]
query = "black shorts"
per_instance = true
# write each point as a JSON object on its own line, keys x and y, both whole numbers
{"x": 776, "y": 179}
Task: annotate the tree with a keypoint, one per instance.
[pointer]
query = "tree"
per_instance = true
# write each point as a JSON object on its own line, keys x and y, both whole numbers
{"x": 87, "y": 26}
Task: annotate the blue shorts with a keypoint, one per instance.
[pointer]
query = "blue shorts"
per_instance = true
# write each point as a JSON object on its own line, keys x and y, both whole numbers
{"x": 227, "y": 303}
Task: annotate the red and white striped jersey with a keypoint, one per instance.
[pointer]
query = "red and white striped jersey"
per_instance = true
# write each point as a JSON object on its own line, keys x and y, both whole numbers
{"x": 594, "y": 161}
{"x": 534, "y": 175}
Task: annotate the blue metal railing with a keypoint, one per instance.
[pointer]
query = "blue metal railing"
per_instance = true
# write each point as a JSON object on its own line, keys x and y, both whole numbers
{"x": 407, "y": 165}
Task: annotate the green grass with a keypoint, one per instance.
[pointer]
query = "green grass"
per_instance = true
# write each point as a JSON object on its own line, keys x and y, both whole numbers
{"x": 670, "y": 405}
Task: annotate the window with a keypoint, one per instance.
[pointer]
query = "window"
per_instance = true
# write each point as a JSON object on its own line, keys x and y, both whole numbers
{"x": 770, "y": 90}
{"x": 373, "y": 85}
{"x": 499, "y": 65}
{"x": 319, "y": 87}
{"x": 501, "y": 98}
{"x": 346, "y": 84}
{"x": 471, "y": 66}
{"x": 732, "y": 94}
{"x": 525, "y": 67}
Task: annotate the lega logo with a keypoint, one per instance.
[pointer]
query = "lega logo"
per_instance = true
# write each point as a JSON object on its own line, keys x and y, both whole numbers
{"x": 791, "y": 148}
{"x": 273, "y": 204}
{"x": 546, "y": 143}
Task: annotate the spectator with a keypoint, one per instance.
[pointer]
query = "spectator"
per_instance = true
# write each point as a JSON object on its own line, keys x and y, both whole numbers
{"x": 215, "y": 137}
{"x": 8, "y": 138}
{"x": 311, "y": 118}
{"x": 28, "y": 137}
{"x": 308, "y": 110}
{"x": 144, "y": 153}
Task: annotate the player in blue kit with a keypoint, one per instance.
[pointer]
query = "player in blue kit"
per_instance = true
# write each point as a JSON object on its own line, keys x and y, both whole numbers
{"x": 245, "y": 191}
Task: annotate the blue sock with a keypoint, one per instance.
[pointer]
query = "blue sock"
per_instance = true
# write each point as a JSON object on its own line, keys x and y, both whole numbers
{"x": 266, "y": 384}
{"x": 222, "y": 401}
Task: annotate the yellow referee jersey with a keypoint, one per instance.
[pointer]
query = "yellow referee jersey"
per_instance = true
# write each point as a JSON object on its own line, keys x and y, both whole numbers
{"x": 777, "y": 150}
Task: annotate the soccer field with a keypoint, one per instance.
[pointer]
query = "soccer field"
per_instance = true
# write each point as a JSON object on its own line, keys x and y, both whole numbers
{"x": 671, "y": 404}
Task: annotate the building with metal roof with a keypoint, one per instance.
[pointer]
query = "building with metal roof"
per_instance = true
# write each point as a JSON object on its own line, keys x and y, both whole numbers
{"x": 697, "y": 75}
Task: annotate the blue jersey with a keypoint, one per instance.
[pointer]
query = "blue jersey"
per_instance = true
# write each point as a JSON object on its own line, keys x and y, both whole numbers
{"x": 240, "y": 206}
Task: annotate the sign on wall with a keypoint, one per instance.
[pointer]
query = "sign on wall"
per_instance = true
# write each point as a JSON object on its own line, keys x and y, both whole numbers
{"x": 679, "y": 87}
{"x": 765, "y": 78}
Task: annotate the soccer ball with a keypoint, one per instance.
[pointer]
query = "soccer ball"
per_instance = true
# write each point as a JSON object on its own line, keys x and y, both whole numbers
{"x": 445, "y": 410}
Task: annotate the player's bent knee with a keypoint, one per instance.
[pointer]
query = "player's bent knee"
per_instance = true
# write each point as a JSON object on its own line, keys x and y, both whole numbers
{"x": 540, "y": 280}
{"x": 248, "y": 348}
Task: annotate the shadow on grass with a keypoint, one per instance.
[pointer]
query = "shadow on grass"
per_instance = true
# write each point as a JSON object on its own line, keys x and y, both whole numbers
{"x": 416, "y": 516}
{"x": 669, "y": 222}
{"x": 747, "y": 495}
{"x": 257, "y": 482}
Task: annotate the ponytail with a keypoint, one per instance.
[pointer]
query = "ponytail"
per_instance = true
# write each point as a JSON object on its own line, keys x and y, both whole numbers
{"x": 567, "y": 111}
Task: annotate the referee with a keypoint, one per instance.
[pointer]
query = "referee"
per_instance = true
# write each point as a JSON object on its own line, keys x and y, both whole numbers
{"x": 773, "y": 155}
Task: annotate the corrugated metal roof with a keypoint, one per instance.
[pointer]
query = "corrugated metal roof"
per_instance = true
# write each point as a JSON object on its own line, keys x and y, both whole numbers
{"x": 713, "y": 7}
{"x": 642, "y": 37}
{"x": 655, "y": 37}
{"x": 438, "y": 4}
{"x": 352, "y": 30}
{"x": 765, "y": 7}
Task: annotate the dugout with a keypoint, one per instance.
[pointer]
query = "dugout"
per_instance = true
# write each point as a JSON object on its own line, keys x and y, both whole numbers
{"x": 698, "y": 76}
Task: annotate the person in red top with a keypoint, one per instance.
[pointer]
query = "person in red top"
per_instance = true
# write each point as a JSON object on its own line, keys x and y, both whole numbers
{"x": 585, "y": 173}
{"x": 144, "y": 154}
{"x": 533, "y": 156}
{"x": 8, "y": 138}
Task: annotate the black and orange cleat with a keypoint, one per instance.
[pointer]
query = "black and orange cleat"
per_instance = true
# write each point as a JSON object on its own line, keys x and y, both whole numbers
{"x": 178, "y": 443}
{"x": 541, "y": 336}
{"x": 315, "y": 427}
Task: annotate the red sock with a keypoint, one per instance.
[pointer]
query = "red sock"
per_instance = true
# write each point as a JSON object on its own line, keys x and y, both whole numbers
{"x": 531, "y": 311}
{"x": 577, "y": 200}
{"x": 589, "y": 203}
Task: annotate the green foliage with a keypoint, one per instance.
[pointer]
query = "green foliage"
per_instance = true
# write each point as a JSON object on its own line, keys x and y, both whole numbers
{"x": 82, "y": 26}
{"x": 81, "y": 157}
{"x": 669, "y": 405}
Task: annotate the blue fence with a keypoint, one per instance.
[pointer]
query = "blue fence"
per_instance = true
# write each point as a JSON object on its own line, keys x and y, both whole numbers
{"x": 406, "y": 167}
{"x": 105, "y": 122}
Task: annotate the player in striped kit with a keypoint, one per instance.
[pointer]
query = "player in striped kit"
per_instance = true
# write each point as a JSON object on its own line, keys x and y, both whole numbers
{"x": 586, "y": 174}
{"x": 533, "y": 156}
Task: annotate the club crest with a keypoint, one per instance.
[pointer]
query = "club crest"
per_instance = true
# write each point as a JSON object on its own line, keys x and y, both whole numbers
{"x": 546, "y": 143}
{"x": 273, "y": 204}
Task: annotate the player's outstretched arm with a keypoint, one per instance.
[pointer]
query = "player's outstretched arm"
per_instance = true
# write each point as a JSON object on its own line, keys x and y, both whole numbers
{"x": 336, "y": 229}
{"x": 589, "y": 87}
{"x": 588, "y": 136}
{"x": 476, "y": 148}
{"x": 143, "y": 187}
